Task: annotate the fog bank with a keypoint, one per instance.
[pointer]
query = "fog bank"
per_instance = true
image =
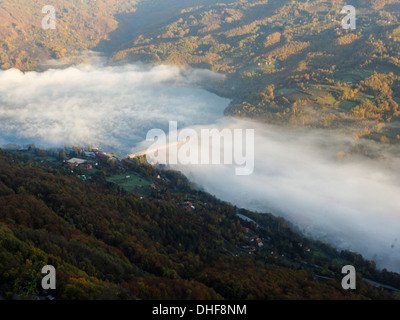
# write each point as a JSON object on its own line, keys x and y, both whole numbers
{"x": 311, "y": 177}
{"x": 321, "y": 183}
{"x": 110, "y": 107}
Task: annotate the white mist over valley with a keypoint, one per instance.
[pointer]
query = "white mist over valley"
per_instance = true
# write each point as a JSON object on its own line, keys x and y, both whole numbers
{"x": 350, "y": 201}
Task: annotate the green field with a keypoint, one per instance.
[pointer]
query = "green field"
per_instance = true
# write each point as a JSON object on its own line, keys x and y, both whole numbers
{"x": 133, "y": 184}
{"x": 348, "y": 105}
{"x": 354, "y": 77}
{"x": 285, "y": 91}
{"x": 322, "y": 97}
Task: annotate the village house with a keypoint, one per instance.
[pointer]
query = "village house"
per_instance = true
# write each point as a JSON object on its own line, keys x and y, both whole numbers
{"x": 87, "y": 166}
{"x": 75, "y": 162}
{"x": 189, "y": 205}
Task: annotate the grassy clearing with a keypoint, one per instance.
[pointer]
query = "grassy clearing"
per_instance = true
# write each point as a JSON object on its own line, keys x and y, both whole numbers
{"x": 325, "y": 99}
{"x": 45, "y": 158}
{"x": 131, "y": 183}
{"x": 285, "y": 91}
{"x": 322, "y": 95}
{"x": 347, "y": 105}
{"x": 353, "y": 77}
{"x": 92, "y": 171}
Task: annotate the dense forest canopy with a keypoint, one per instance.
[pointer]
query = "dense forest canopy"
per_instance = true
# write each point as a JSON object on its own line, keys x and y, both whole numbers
{"x": 108, "y": 243}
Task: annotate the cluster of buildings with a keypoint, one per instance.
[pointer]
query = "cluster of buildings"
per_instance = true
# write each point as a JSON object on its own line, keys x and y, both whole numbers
{"x": 267, "y": 62}
{"x": 255, "y": 241}
{"x": 86, "y": 159}
{"x": 307, "y": 249}
{"x": 76, "y": 162}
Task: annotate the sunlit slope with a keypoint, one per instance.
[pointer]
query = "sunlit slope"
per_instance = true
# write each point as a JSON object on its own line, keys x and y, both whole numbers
{"x": 291, "y": 62}
{"x": 79, "y": 25}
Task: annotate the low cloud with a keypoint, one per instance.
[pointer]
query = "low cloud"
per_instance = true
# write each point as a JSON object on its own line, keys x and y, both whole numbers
{"x": 316, "y": 179}
{"x": 322, "y": 183}
{"x": 111, "y": 107}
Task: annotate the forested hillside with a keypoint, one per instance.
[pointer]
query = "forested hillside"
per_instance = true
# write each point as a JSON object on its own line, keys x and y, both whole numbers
{"x": 291, "y": 62}
{"x": 79, "y": 25}
{"x": 110, "y": 244}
